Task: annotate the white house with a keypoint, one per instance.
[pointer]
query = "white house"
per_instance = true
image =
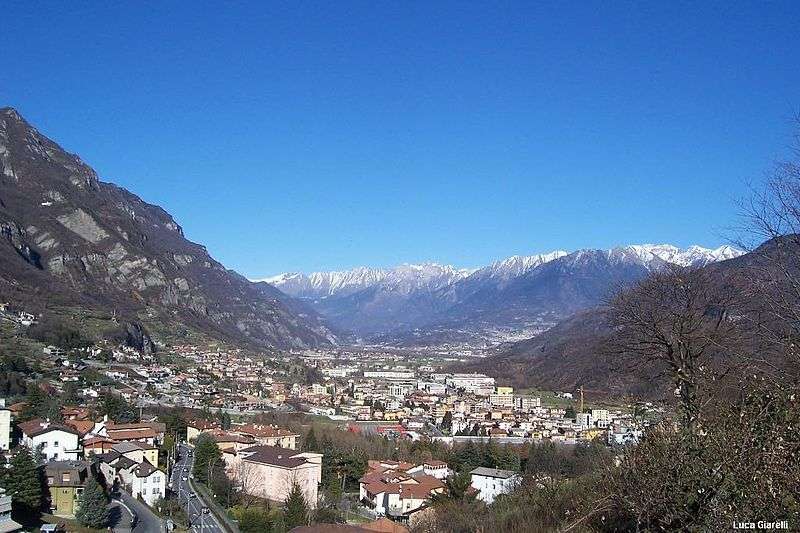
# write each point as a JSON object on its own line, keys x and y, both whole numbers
{"x": 56, "y": 442}
{"x": 433, "y": 468}
{"x": 5, "y": 427}
{"x": 491, "y": 482}
{"x": 147, "y": 481}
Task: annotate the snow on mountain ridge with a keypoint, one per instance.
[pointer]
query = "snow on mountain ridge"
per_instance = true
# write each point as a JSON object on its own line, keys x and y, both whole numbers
{"x": 692, "y": 256}
{"x": 408, "y": 277}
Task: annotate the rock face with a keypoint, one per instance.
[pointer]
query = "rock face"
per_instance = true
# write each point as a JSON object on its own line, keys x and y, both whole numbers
{"x": 67, "y": 238}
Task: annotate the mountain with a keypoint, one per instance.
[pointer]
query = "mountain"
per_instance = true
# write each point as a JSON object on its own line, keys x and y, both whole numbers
{"x": 571, "y": 354}
{"x": 72, "y": 241}
{"x": 695, "y": 256}
{"x": 434, "y": 304}
{"x": 370, "y": 301}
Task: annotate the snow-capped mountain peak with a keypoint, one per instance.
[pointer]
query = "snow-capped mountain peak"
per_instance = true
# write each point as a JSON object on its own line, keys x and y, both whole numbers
{"x": 692, "y": 256}
{"x": 516, "y": 265}
{"x": 410, "y": 277}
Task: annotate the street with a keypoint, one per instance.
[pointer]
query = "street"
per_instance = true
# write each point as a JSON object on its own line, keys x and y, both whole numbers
{"x": 200, "y": 517}
{"x": 146, "y": 520}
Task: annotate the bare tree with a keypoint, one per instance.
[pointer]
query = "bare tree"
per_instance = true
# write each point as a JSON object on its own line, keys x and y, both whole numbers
{"x": 772, "y": 214}
{"x": 682, "y": 321}
{"x": 249, "y": 479}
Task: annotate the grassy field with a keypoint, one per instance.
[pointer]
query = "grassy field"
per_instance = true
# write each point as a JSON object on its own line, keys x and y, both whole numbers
{"x": 550, "y": 399}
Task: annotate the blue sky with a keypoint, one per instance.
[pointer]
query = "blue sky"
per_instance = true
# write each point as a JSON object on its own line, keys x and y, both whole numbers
{"x": 307, "y": 136}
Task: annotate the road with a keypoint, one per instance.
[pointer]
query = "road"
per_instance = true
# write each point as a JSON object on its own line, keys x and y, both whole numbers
{"x": 119, "y": 518}
{"x": 147, "y": 521}
{"x": 200, "y": 517}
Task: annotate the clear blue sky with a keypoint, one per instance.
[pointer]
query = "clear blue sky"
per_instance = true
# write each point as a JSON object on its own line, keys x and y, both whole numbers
{"x": 306, "y": 136}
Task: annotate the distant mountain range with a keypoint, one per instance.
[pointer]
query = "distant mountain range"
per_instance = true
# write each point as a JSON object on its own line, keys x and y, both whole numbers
{"x": 94, "y": 252}
{"x": 430, "y": 303}
{"x": 571, "y": 354}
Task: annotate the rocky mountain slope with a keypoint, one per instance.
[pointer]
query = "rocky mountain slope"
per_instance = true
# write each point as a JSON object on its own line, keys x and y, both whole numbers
{"x": 69, "y": 239}
{"x": 430, "y": 304}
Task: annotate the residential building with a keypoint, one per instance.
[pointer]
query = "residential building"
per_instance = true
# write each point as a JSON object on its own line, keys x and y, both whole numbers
{"x": 583, "y": 420}
{"x": 527, "y": 403}
{"x": 502, "y": 397}
{"x": 195, "y": 427}
{"x": 389, "y": 374}
{"x": 397, "y": 488}
{"x": 56, "y": 442}
{"x": 432, "y": 467}
{"x": 601, "y": 418}
{"x": 149, "y": 432}
{"x": 474, "y": 383}
{"x": 146, "y": 481}
{"x": 137, "y": 451}
{"x": 268, "y": 435}
{"x": 5, "y": 426}
{"x": 269, "y": 472}
{"x": 97, "y": 446}
{"x": 491, "y": 482}
{"x": 66, "y": 480}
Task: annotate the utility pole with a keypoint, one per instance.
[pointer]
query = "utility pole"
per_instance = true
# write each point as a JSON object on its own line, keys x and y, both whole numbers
{"x": 581, "y": 391}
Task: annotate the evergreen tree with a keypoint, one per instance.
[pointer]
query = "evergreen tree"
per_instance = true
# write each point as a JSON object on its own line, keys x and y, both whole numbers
{"x": 458, "y": 487}
{"x": 224, "y": 419}
{"x": 92, "y": 508}
{"x": 447, "y": 421}
{"x": 118, "y": 409}
{"x": 23, "y": 482}
{"x": 206, "y": 452}
{"x": 296, "y": 512}
{"x": 41, "y": 405}
{"x": 253, "y": 520}
{"x": 311, "y": 444}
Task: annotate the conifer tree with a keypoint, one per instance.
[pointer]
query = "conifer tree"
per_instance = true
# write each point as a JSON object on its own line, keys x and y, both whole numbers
{"x": 23, "y": 482}
{"x": 92, "y": 509}
{"x": 296, "y": 512}
{"x": 206, "y": 452}
{"x": 311, "y": 444}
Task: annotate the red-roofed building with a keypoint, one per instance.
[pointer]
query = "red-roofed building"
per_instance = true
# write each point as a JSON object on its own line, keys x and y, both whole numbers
{"x": 268, "y": 435}
{"x": 397, "y": 488}
{"x": 195, "y": 427}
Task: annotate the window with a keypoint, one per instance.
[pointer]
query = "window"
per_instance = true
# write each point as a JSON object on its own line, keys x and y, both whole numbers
{"x": 155, "y": 490}
{"x": 55, "y": 444}
{"x": 49, "y": 480}
{"x": 65, "y": 477}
